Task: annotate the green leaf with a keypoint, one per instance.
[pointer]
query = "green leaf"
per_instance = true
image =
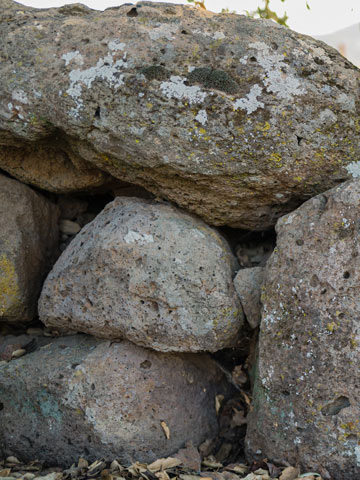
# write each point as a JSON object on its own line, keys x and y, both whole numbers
{"x": 307, "y": 6}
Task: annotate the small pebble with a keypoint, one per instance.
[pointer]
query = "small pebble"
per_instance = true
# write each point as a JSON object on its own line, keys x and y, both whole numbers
{"x": 68, "y": 227}
{"x": 34, "y": 331}
{"x": 17, "y": 354}
{"x": 28, "y": 476}
{"x": 12, "y": 459}
{"x": 82, "y": 463}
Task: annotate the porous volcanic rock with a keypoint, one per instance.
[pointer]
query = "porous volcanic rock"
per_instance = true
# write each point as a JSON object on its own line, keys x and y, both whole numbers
{"x": 82, "y": 397}
{"x": 145, "y": 271}
{"x": 235, "y": 119}
{"x": 28, "y": 246}
{"x": 248, "y": 283}
{"x": 306, "y": 398}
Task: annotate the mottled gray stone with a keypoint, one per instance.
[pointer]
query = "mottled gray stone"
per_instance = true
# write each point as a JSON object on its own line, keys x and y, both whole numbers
{"x": 82, "y": 397}
{"x": 306, "y": 397}
{"x": 248, "y": 283}
{"x": 235, "y": 119}
{"x": 28, "y": 246}
{"x": 146, "y": 271}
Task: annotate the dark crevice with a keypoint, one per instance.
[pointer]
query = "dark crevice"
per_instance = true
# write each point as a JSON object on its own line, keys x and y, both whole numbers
{"x": 132, "y": 13}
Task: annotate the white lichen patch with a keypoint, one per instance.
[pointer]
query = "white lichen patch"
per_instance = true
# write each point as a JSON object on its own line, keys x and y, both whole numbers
{"x": 354, "y": 169}
{"x": 218, "y": 35}
{"x": 357, "y": 455}
{"x": 284, "y": 85}
{"x": 346, "y": 102}
{"x": 250, "y": 103}
{"x": 107, "y": 69}
{"x": 139, "y": 238}
{"x": 176, "y": 88}
{"x": 73, "y": 57}
{"x": 115, "y": 45}
{"x": 19, "y": 96}
{"x": 163, "y": 31}
{"x": 201, "y": 117}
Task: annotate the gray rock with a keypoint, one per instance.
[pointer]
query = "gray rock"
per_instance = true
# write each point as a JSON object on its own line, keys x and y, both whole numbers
{"x": 306, "y": 397}
{"x": 82, "y": 397}
{"x": 145, "y": 271}
{"x": 28, "y": 246}
{"x": 248, "y": 283}
{"x": 235, "y": 119}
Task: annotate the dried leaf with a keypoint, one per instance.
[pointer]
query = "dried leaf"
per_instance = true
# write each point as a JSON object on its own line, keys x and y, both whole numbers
{"x": 190, "y": 477}
{"x": 82, "y": 463}
{"x": 115, "y": 465}
{"x": 163, "y": 464}
{"x": 289, "y": 473}
{"x": 162, "y": 475}
{"x": 5, "y": 473}
{"x": 166, "y": 430}
{"x": 106, "y": 475}
{"x": 137, "y": 468}
{"x": 211, "y": 462}
{"x": 218, "y": 401}
{"x": 238, "y": 419}
{"x": 240, "y": 468}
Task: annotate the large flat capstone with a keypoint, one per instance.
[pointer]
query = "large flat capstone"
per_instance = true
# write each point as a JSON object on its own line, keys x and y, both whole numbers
{"x": 235, "y": 119}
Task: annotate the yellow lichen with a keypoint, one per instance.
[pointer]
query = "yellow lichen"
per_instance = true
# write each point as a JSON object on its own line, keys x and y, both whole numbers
{"x": 9, "y": 289}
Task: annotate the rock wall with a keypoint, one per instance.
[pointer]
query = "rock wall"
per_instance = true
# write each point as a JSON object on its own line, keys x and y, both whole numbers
{"x": 160, "y": 144}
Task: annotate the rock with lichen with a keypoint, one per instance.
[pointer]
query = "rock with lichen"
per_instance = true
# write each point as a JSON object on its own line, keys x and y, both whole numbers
{"x": 306, "y": 396}
{"x": 235, "y": 119}
{"x": 28, "y": 245}
{"x": 82, "y": 397}
{"x": 148, "y": 272}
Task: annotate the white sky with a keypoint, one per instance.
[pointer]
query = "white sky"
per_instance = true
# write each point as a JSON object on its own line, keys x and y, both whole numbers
{"x": 324, "y": 16}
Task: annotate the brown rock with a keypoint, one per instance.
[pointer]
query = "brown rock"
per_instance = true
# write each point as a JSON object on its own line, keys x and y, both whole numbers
{"x": 238, "y": 129}
{"x": 306, "y": 397}
{"x": 82, "y": 397}
{"x": 28, "y": 246}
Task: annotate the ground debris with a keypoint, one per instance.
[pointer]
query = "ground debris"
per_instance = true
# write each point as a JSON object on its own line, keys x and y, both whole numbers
{"x": 171, "y": 468}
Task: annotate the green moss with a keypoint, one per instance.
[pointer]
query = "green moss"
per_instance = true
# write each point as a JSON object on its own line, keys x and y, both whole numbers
{"x": 217, "y": 79}
{"x": 155, "y": 72}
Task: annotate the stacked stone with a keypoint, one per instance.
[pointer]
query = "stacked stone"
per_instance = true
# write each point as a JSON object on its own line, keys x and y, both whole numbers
{"x": 236, "y": 128}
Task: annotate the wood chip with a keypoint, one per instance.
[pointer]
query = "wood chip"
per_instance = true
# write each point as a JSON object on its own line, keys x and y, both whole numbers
{"x": 218, "y": 402}
{"x": 5, "y": 472}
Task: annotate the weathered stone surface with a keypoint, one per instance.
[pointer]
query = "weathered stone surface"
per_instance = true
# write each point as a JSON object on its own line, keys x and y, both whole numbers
{"x": 248, "y": 283}
{"x": 145, "y": 271}
{"x": 235, "y": 119}
{"x": 28, "y": 243}
{"x": 307, "y": 392}
{"x": 82, "y": 397}
{"x": 51, "y": 168}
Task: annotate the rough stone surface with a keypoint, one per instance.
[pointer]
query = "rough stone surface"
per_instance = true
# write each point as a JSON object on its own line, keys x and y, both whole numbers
{"x": 192, "y": 105}
{"x": 51, "y": 168}
{"x": 307, "y": 393}
{"x": 145, "y": 271}
{"x": 82, "y": 397}
{"x": 28, "y": 245}
{"x": 248, "y": 283}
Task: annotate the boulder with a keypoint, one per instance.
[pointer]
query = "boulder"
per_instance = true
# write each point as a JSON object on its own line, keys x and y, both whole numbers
{"x": 306, "y": 397}
{"x": 28, "y": 247}
{"x": 82, "y": 397}
{"x": 248, "y": 283}
{"x": 145, "y": 271}
{"x": 235, "y": 119}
